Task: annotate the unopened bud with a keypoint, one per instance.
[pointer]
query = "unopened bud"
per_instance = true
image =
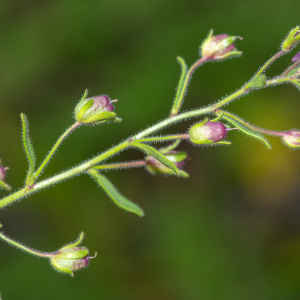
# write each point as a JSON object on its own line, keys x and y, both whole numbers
{"x": 94, "y": 110}
{"x": 2, "y": 173}
{"x": 292, "y": 139}
{"x": 207, "y": 132}
{"x": 154, "y": 166}
{"x": 71, "y": 258}
{"x": 291, "y": 40}
{"x": 219, "y": 46}
{"x": 296, "y": 57}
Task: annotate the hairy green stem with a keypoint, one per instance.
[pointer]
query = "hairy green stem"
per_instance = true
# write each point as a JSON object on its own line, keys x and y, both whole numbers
{"x": 114, "y": 150}
{"x": 164, "y": 138}
{"x": 269, "y": 62}
{"x": 294, "y": 65}
{"x": 57, "y": 144}
{"x": 22, "y": 247}
{"x": 131, "y": 164}
{"x": 226, "y": 113}
{"x": 183, "y": 85}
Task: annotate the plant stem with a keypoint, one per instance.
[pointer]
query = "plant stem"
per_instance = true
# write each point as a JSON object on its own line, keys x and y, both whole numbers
{"x": 22, "y": 247}
{"x": 164, "y": 138}
{"x": 226, "y": 113}
{"x": 123, "y": 145}
{"x": 269, "y": 62}
{"x": 57, "y": 144}
{"x": 132, "y": 164}
{"x": 290, "y": 69}
{"x": 179, "y": 98}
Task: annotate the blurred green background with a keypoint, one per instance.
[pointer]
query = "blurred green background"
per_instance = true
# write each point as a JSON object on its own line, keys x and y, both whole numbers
{"x": 230, "y": 231}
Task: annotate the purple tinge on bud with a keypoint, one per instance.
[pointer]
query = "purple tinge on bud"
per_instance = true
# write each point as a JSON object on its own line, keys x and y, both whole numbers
{"x": 2, "y": 173}
{"x": 296, "y": 57}
{"x": 102, "y": 102}
{"x": 207, "y": 133}
{"x": 219, "y": 46}
{"x": 216, "y": 40}
{"x": 69, "y": 260}
{"x": 94, "y": 110}
{"x": 292, "y": 139}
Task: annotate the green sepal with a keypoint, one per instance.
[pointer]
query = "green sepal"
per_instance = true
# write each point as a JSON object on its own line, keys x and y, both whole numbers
{"x": 156, "y": 154}
{"x": 4, "y": 186}
{"x": 257, "y": 82}
{"x": 293, "y": 72}
{"x": 296, "y": 83}
{"x": 248, "y": 131}
{"x": 57, "y": 266}
{"x": 81, "y": 109}
{"x": 183, "y": 174}
{"x": 28, "y": 148}
{"x": 170, "y": 147}
{"x": 225, "y": 43}
{"x": 179, "y": 97}
{"x": 112, "y": 192}
{"x": 223, "y": 143}
{"x": 99, "y": 117}
{"x": 76, "y": 243}
{"x": 291, "y": 40}
{"x": 233, "y": 53}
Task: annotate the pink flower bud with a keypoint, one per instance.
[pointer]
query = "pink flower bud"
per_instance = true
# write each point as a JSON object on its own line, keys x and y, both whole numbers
{"x": 94, "y": 109}
{"x": 292, "y": 139}
{"x": 2, "y": 173}
{"x": 219, "y": 46}
{"x": 207, "y": 132}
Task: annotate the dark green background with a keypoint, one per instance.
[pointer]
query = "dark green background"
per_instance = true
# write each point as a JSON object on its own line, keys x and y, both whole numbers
{"x": 230, "y": 231}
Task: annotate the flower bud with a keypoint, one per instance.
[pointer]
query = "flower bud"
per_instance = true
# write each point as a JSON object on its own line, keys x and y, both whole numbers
{"x": 71, "y": 258}
{"x": 2, "y": 173}
{"x": 207, "y": 132}
{"x": 155, "y": 167}
{"x": 94, "y": 110}
{"x": 296, "y": 57}
{"x": 291, "y": 40}
{"x": 292, "y": 139}
{"x": 219, "y": 46}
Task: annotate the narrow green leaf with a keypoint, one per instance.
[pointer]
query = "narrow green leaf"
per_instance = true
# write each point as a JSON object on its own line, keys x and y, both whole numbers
{"x": 179, "y": 96}
{"x": 4, "y": 186}
{"x": 156, "y": 154}
{"x": 248, "y": 131}
{"x": 170, "y": 147}
{"x": 28, "y": 147}
{"x": 112, "y": 192}
{"x": 296, "y": 83}
{"x": 183, "y": 174}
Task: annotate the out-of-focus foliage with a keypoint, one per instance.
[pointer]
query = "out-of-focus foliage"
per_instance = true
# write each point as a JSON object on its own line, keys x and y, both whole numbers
{"x": 230, "y": 231}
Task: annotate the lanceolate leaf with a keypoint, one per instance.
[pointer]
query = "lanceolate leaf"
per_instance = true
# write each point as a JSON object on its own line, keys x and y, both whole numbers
{"x": 248, "y": 131}
{"x": 28, "y": 147}
{"x": 296, "y": 83}
{"x": 170, "y": 147}
{"x": 112, "y": 192}
{"x": 4, "y": 186}
{"x": 179, "y": 97}
{"x": 183, "y": 174}
{"x": 156, "y": 154}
